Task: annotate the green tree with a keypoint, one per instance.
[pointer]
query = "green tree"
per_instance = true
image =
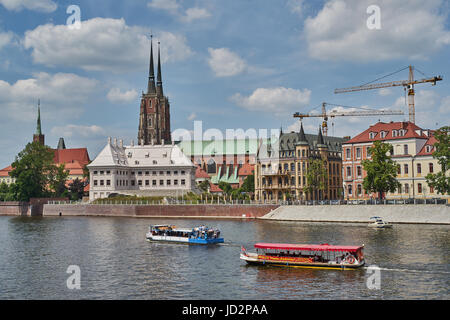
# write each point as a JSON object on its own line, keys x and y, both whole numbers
{"x": 381, "y": 170}
{"x": 440, "y": 181}
{"x": 316, "y": 178}
{"x": 57, "y": 177}
{"x": 226, "y": 187}
{"x": 76, "y": 189}
{"x": 204, "y": 185}
{"x": 249, "y": 184}
{"x": 4, "y": 190}
{"x": 31, "y": 169}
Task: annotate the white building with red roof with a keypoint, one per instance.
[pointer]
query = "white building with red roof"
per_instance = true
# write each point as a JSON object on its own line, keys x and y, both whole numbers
{"x": 412, "y": 150}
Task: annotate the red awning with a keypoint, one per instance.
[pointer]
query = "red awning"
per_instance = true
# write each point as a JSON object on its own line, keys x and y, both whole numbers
{"x": 307, "y": 247}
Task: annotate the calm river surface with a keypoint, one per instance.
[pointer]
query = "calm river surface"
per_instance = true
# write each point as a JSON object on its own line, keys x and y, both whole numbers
{"x": 117, "y": 263}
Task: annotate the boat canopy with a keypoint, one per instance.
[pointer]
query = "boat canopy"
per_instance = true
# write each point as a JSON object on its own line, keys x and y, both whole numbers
{"x": 307, "y": 247}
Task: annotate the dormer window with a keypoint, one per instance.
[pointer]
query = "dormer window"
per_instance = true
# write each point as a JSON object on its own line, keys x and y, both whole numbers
{"x": 394, "y": 133}
{"x": 401, "y": 132}
{"x": 130, "y": 154}
{"x": 372, "y": 135}
{"x": 383, "y": 134}
{"x": 428, "y": 148}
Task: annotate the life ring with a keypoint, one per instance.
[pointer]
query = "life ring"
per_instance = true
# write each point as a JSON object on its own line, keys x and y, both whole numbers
{"x": 350, "y": 259}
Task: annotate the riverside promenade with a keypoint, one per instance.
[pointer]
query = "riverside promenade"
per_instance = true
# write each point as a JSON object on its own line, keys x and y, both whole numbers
{"x": 401, "y": 213}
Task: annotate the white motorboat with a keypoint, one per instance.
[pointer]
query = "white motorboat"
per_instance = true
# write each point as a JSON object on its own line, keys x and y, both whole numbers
{"x": 379, "y": 223}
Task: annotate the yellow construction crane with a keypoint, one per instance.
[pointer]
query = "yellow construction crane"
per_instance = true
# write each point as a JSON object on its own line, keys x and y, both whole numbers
{"x": 407, "y": 84}
{"x": 334, "y": 113}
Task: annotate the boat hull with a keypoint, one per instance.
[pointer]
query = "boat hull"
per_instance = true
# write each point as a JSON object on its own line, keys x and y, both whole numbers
{"x": 254, "y": 260}
{"x": 184, "y": 240}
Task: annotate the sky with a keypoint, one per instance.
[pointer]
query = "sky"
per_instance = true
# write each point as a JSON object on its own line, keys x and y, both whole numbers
{"x": 247, "y": 64}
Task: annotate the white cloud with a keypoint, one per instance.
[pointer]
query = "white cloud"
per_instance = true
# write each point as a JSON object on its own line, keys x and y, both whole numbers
{"x": 62, "y": 96}
{"x": 101, "y": 45}
{"x": 5, "y": 39}
{"x": 444, "y": 108}
{"x": 35, "y": 5}
{"x": 411, "y": 29}
{"x": 196, "y": 14}
{"x": 385, "y": 92}
{"x": 296, "y": 6}
{"x": 225, "y": 63}
{"x": 116, "y": 96}
{"x": 72, "y": 130}
{"x": 279, "y": 101}
{"x": 169, "y": 5}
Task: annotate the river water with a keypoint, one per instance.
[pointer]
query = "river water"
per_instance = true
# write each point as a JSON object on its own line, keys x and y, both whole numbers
{"x": 116, "y": 262}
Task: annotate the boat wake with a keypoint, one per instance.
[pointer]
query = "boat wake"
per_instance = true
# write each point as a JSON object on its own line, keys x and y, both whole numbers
{"x": 411, "y": 270}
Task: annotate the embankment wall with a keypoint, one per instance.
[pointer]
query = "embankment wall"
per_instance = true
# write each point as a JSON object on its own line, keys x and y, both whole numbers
{"x": 174, "y": 211}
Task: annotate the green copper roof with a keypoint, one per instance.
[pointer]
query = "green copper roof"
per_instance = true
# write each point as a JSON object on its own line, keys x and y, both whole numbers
{"x": 219, "y": 147}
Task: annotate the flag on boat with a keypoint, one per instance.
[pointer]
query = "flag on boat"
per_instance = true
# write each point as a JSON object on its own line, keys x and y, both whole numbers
{"x": 244, "y": 251}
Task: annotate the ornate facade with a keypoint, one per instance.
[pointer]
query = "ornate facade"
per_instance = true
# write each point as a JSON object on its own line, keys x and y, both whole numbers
{"x": 285, "y": 176}
{"x": 154, "y": 118}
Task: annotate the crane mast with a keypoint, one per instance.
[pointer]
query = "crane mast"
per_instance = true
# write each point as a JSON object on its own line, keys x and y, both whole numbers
{"x": 407, "y": 84}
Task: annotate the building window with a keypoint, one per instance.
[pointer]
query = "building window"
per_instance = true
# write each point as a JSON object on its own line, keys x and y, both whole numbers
{"x": 406, "y": 188}
{"x": 95, "y": 182}
{"x": 183, "y": 182}
{"x": 399, "y": 169}
{"x": 399, "y": 188}
{"x": 348, "y": 153}
{"x": 161, "y": 182}
{"x": 140, "y": 182}
{"x": 428, "y": 149}
{"x": 349, "y": 172}
{"x": 419, "y": 188}
{"x": 394, "y": 133}
{"x": 405, "y": 149}
{"x": 358, "y": 153}
{"x": 431, "y": 189}
{"x": 132, "y": 182}
{"x": 168, "y": 182}
{"x": 211, "y": 166}
{"x": 359, "y": 190}
{"x": 383, "y": 134}
{"x": 147, "y": 182}
{"x": 430, "y": 165}
{"x": 372, "y": 135}
{"x": 350, "y": 189}
{"x": 168, "y": 173}
{"x": 405, "y": 168}
{"x": 102, "y": 182}
{"x": 108, "y": 182}
{"x": 175, "y": 182}
{"x": 419, "y": 168}
{"x": 95, "y": 172}
{"x": 359, "y": 170}
{"x": 154, "y": 183}
{"x": 292, "y": 166}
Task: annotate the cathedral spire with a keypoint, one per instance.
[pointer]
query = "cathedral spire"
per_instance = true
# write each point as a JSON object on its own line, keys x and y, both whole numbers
{"x": 39, "y": 137}
{"x": 159, "y": 80}
{"x": 151, "y": 73}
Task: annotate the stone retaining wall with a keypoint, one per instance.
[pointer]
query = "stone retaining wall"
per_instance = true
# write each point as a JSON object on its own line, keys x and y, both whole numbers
{"x": 14, "y": 208}
{"x": 419, "y": 213}
{"x": 173, "y": 211}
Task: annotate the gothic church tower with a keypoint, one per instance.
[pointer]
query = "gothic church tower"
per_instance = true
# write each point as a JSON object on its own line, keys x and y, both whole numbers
{"x": 154, "y": 118}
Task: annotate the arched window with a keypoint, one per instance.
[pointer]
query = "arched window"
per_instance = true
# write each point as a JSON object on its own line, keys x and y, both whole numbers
{"x": 212, "y": 168}
{"x": 350, "y": 189}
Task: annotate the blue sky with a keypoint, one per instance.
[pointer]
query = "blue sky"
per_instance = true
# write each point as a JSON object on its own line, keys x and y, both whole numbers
{"x": 231, "y": 64}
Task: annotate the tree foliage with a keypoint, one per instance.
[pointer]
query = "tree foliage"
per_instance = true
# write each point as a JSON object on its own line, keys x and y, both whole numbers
{"x": 440, "y": 181}
{"x": 76, "y": 189}
{"x": 381, "y": 170}
{"x": 316, "y": 177}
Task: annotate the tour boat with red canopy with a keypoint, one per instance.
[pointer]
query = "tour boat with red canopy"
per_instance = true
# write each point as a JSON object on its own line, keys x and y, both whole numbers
{"x": 323, "y": 256}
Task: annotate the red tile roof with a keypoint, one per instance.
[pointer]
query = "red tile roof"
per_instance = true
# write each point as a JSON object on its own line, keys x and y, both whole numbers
{"x": 213, "y": 188}
{"x": 200, "y": 173}
{"x": 377, "y": 128}
{"x": 246, "y": 169}
{"x": 71, "y": 155}
{"x": 430, "y": 142}
{"x": 5, "y": 171}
